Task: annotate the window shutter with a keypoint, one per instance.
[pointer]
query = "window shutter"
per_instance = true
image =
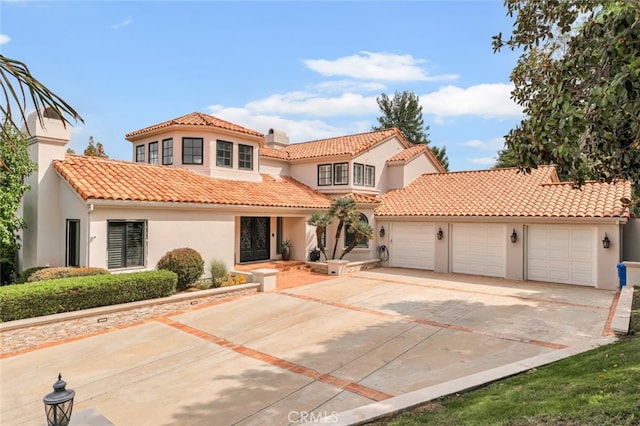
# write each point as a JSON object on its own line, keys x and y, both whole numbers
{"x": 115, "y": 245}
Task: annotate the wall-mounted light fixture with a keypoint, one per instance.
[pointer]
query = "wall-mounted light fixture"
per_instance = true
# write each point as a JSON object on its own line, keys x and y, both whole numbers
{"x": 440, "y": 234}
{"x": 514, "y": 236}
{"x": 382, "y": 231}
{"x": 606, "y": 242}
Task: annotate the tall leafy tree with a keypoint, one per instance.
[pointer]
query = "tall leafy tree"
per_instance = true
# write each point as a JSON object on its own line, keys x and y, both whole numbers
{"x": 404, "y": 112}
{"x": 14, "y": 154}
{"x": 95, "y": 149}
{"x": 578, "y": 81}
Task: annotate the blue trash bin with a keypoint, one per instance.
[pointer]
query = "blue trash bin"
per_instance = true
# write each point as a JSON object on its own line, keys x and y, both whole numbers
{"x": 622, "y": 274}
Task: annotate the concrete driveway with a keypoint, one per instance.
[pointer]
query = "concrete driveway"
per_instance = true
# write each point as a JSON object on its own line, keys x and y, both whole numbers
{"x": 332, "y": 346}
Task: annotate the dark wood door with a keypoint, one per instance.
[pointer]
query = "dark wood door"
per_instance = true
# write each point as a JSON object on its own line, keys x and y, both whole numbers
{"x": 254, "y": 238}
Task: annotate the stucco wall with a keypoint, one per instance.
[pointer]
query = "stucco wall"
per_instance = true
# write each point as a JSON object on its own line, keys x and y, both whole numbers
{"x": 210, "y": 233}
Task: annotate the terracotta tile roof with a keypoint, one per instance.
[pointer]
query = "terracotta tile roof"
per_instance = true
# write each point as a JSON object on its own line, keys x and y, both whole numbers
{"x": 274, "y": 153}
{"x": 195, "y": 119}
{"x": 408, "y": 154}
{"x": 363, "y": 198}
{"x": 504, "y": 193}
{"x": 343, "y": 145}
{"x": 104, "y": 179}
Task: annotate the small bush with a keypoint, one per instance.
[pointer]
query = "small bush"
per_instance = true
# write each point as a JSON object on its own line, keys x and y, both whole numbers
{"x": 233, "y": 279}
{"x": 26, "y": 274}
{"x": 72, "y": 294}
{"x": 65, "y": 272}
{"x": 218, "y": 270}
{"x": 186, "y": 263}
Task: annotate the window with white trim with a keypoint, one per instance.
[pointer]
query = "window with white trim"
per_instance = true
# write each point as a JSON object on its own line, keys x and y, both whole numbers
{"x": 245, "y": 157}
{"x": 224, "y": 154}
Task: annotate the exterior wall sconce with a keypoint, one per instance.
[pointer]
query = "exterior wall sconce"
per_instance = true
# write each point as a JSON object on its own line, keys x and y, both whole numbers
{"x": 382, "y": 231}
{"x": 606, "y": 242}
{"x": 514, "y": 236}
{"x": 440, "y": 234}
{"x": 58, "y": 404}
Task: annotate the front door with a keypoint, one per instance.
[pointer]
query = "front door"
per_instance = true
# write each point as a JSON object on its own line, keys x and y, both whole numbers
{"x": 254, "y": 238}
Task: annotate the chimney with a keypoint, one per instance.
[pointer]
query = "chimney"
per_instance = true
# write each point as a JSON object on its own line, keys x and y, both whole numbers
{"x": 276, "y": 139}
{"x": 41, "y": 204}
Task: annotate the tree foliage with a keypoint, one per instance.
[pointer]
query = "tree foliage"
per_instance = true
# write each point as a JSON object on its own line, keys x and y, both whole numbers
{"x": 578, "y": 81}
{"x": 404, "y": 112}
{"x": 14, "y": 155}
{"x": 95, "y": 149}
{"x": 344, "y": 209}
{"x": 321, "y": 221}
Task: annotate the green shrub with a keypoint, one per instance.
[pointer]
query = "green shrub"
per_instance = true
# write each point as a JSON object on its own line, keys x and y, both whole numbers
{"x": 26, "y": 274}
{"x": 218, "y": 270}
{"x": 186, "y": 263}
{"x": 65, "y": 272}
{"x": 71, "y": 294}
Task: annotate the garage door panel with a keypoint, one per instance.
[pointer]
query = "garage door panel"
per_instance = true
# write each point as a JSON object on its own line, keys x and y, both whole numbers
{"x": 478, "y": 249}
{"x": 561, "y": 253}
{"x": 413, "y": 245}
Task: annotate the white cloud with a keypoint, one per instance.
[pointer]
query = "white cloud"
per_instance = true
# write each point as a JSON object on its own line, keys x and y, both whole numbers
{"x": 376, "y": 66}
{"x": 493, "y": 144}
{"x": 297, "y": 130}
{"x": 308, "y": 103}
{"x": 485, "y": 100}
{"x": 4, "y": 39}
{"x": 341, "y": 86}
{"x": 485, "y": 161}
{"x": 122, "y": 24}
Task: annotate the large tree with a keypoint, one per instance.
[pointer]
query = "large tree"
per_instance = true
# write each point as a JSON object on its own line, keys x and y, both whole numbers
{"x": 578, "y": 81}
{"x": 404, "y": 112}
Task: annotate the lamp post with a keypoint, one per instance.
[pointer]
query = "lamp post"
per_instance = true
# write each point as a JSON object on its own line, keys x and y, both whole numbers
{"x": 58, "y": 404}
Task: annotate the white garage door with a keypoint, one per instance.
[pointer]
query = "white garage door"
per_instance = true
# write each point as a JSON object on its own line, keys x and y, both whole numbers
{"x": 561, "y": 254}
{"x": 412, "y": 245}
{"x": 478, "y": 249}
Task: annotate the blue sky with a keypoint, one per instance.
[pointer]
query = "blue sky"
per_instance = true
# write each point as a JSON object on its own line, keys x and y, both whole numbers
{"x": 312, "y": 69}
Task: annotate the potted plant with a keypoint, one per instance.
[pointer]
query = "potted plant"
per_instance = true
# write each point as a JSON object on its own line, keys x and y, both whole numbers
{"x": 286, "y": 249}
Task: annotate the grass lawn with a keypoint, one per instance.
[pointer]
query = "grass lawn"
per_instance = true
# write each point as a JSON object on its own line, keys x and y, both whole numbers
{"x": 599, "y": 387}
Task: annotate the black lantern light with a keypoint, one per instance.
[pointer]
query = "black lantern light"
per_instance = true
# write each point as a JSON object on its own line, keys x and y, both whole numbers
{"x": 58, "y": 404}
{"x": 514, "y": 236}
{"x": 440, "y": 234}
{"x": 382, "y": 231}
{"x": 606, "y": 242}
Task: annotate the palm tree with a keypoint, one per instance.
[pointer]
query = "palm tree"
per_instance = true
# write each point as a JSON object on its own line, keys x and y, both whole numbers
{"x": 362, "y": 230}
{"x": 321, "y": 221}
{"x": 19, "y": 87}
{"x": 344, "y": 209}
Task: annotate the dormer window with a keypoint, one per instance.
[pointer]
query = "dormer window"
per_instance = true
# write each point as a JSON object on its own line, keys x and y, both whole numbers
{"x": 245, "y": 157}
{"x": 140, "y": 154}
{"x": 153, "y": 153}
{"x": 167, "y": 151}
{"x": 224, "y": 154}
{"x": 192, "y": 150}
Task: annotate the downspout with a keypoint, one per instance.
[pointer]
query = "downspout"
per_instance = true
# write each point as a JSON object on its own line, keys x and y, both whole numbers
{"x": 89, "y": 238}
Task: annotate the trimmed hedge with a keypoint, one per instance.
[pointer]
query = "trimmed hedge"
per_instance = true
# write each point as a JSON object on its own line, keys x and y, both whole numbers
{"x": 72, "y": 294}
{"x": 65, "y": 272}
{"x": 186, "y": 263}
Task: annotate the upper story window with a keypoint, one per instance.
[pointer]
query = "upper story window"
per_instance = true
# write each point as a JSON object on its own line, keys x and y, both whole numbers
{"x": 224, "y": 154}
{"x": 370, "y": 176}
{"x": 140, "y": 154}
{"x": 358, "y": 174}
{"x": 324, "y": 174}
{"x": 153, "y": 153}
{"x": 192, "y": 150}
{"x": 167, "y": 151}
{"x": 341, "y": 173}
{"x": 245, "y": 157}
